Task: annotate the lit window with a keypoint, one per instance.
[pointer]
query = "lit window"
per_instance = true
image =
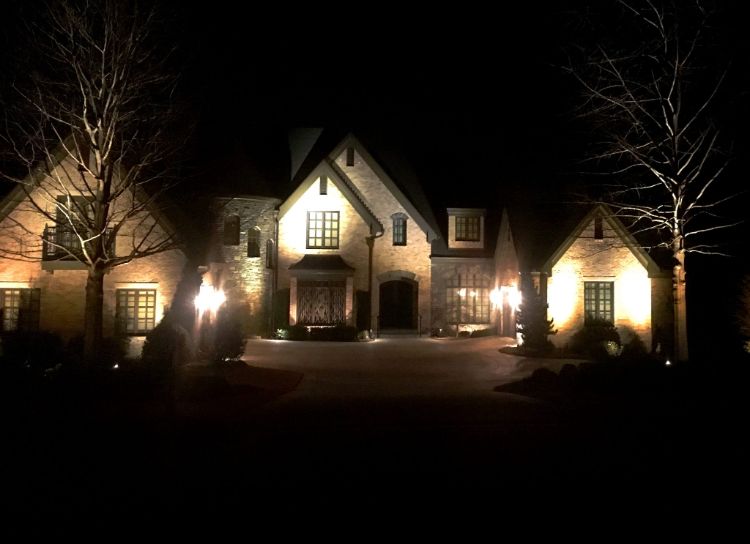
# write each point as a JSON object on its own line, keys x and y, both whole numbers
{"x": 253, "y": 243}
{"x": 232, "y": 230}
{"x": 468, "y": 299}
{"x": 323, "y": 230}
{"x": 467, "y": 228}
{"x": 20, "y": 309}
{"x": 136, "y": 311}
{"x": 399, "y": 230}
{"x": 598, "y": 300}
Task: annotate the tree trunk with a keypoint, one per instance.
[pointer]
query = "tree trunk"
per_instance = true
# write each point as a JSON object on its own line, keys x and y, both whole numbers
{"x": 92, "y": 333}
{"x": 680, "y": 307}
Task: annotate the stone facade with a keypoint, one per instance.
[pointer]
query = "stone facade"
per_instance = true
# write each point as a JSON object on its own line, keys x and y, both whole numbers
{"x": 246, "y": 279}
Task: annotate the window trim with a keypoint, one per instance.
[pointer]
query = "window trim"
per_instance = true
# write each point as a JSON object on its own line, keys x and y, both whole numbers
{"x": 121, "y": 321}
{"x": 253, "y": 243}
{"x": 27, "y": 316}
{"x": 399, "y": 228}
{"x": 599, "y": 289}
{"x": 463, "y": 232}
{"x": 323, "y": 229}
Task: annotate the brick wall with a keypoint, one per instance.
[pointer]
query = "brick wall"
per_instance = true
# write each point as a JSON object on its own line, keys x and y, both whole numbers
{"x": 413, "y": 258}
{"x": 607, "y": 259}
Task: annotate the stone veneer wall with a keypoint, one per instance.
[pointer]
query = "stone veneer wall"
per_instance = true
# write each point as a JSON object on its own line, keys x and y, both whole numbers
{"x": 246, "y": 280}
{"x": 413, "y": 258}
{"x": 608, "y": 259}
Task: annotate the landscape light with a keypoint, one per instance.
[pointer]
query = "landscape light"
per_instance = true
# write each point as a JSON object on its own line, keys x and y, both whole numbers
{"x": 209, "y": 299}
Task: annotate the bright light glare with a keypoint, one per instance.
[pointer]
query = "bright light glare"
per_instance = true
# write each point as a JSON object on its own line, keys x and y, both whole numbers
{"x": 635, "y": 295}
{"x": 562, "y": 294}
{"x": 462, "y": 292}
{"x": 209, "y": 299}
{"x": 495, "y": 297}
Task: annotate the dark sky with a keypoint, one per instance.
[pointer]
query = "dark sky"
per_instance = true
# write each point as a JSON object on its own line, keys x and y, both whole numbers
{"x": 470, "y": 95}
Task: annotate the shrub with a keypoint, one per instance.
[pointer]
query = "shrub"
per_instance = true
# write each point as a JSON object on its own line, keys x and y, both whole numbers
{"x": 339, "y": 333}
{"x": 229, "y": 342}
{"x": 160, "y": 346}
{"x": 482, "y": 332}
{"x": 532, "y": 323}
{"x": 598, "y": 339}
{"x": 36, "y": 351}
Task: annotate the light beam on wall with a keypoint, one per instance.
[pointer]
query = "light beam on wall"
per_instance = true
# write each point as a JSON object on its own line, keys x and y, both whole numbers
{"x": 634, "y": 295}
{"x": 562, "y": 294}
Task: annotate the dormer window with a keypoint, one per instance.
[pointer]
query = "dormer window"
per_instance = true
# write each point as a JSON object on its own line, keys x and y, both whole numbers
{"x": 467, "y": 228}
{"x": 231, "y": 235}
{"x": 323, "y": 185}
{"x": 350, "y": 156}
{"x": 253, "y": 242}
{"x": 399, "y": 229}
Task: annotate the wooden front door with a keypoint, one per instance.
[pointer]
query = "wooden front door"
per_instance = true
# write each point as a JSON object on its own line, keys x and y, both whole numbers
{"x": 398, "y": 305}
{"x": 321, "y": 302}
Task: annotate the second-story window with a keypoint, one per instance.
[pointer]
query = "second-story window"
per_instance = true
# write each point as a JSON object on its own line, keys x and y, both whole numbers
{"x": 323, "y": 230}
{"x": 253, "y": 242}
{"x": 232, "y": 230}
{"x": 467, "y": 228}
{"x": 399, "y": 229}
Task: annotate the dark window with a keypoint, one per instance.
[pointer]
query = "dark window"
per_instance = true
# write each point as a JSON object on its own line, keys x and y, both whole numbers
{"x": 323, "y": 185}
{"x": 468, "y": 299}
{"x": 350, "y": 156}
{"x": 20, "y": 309}
{"x": 232, "y": 230}
{"x": 323, "y": 230}
{"x": 598, "y": 228}
{"x": 399, "y": 230}
{"x": 467, "y": 228}
{"x": 599, "y": 300}
{"x": 136, "y": 311}
{"x": 253, "y": 243}
{"x": 270, "y": 253}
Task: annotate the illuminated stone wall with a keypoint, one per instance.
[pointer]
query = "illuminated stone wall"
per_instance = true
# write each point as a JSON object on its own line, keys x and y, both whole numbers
{"x": 588, "y": 259}
{"x": 246, "y": 280}
{"x": 413, "y": 258}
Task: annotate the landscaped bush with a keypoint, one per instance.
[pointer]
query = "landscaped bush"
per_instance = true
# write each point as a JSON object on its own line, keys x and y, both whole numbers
{"x": 34, "y": 351}
{"x": 598, "y": 339}
{"x": 532, "y": 323}
{"x": 482, "y": 332}
{"x": 160, "y": 346}
{"x": 339, "y": 333}
{"x": 229, "y": 342}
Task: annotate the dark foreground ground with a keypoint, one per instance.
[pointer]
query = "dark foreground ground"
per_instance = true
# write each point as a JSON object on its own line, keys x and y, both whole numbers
{"x": 627, "y": 449}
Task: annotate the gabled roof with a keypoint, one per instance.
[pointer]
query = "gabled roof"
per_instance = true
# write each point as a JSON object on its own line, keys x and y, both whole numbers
{"x": 417, "y": 205}
{"x": 327, "y": 169}
{"x": 628, "y": 240}
{"x": 20, "y": 192}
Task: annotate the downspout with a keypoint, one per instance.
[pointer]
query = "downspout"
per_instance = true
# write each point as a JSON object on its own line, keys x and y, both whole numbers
{"x": 371, "y": 246}
{"x": 275, "y": 271}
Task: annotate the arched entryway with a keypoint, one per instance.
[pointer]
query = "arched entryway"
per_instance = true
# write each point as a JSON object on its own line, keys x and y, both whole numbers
{"x": 398, "y": 304}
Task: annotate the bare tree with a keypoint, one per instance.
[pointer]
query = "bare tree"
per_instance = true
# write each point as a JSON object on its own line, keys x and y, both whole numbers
{"x": 653, "y": 101}
{"x": 90, "y": 126}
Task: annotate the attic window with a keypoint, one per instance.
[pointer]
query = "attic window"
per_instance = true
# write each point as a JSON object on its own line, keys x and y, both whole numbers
{"x": 598, "y": 228}
{"x": 350, "y": 156}
{"x": 232, "y": 230}
{"x": 399, "y": 229}
{"x": 323, "y": 185}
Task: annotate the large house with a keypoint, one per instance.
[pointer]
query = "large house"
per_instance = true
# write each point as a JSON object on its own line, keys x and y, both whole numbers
{"x": 356, "y": 242}
{"x": 43, "y": 278}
